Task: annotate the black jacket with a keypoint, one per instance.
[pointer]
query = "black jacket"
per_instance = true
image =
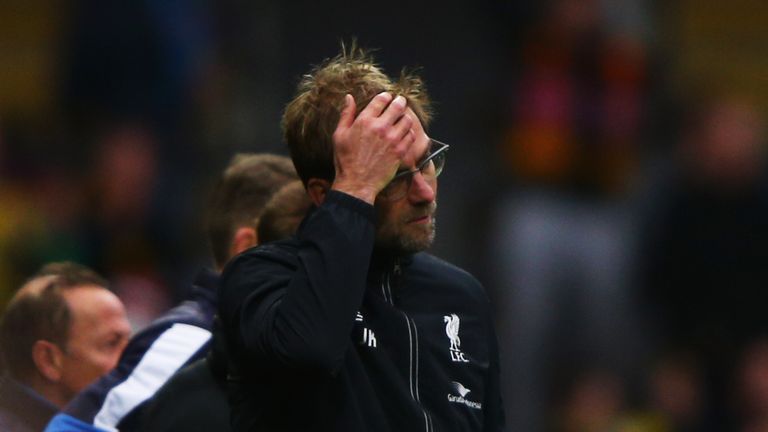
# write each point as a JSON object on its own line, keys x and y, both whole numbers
{"x": 192, "y": 400}
{"x": 322, "y": 335}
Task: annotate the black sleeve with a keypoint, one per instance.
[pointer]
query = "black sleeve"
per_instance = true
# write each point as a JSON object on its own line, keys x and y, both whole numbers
{"x": 296, "y": 307}
{"x": 192, "y": 400}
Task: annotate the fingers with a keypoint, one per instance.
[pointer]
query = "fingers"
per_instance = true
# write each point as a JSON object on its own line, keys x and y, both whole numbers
{"x": 347, "y": 116}
{"x": 381, "y": 107}
{"x": 401, "y": 146}
{"x": 394, "y": 111}
{"x": 401, "y": 129}
{"x": 377, "y": 105}
{"x": 409, "y": 138}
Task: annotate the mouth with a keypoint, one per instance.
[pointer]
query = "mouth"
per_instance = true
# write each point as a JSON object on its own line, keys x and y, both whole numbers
{"x": 420, "y": 219}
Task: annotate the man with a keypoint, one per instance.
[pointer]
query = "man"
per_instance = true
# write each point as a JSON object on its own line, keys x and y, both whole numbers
{"x": 61, "y": 331}
{"x": 181, "y": 336}
{"x": 195, "y": 398}
{"x": 350, "y": 327}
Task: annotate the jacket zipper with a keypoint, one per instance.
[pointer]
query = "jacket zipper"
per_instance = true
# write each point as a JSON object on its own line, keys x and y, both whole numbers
{"x": 413, "y": 346}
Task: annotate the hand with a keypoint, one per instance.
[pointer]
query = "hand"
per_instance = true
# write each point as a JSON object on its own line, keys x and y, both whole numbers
{"x": 368, "y": 148}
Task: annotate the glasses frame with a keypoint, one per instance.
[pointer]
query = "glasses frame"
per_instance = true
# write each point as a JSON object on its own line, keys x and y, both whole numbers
{"x": 409, "y": 173}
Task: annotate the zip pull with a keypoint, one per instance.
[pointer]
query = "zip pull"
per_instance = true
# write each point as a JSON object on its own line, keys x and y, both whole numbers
{"x": 384, "y": 285}
{"x": 397, "y": 270}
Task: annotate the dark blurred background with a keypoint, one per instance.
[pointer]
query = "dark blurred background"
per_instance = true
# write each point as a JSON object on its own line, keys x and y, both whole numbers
{"x": 606, "y": 180}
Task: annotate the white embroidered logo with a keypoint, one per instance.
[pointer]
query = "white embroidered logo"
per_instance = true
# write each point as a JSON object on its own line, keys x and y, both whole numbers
{"x": 368, "y": 337}
{"x": 460, "y": 389}
{"x": 452, "y": 330}
{"x": 461, "y": 398}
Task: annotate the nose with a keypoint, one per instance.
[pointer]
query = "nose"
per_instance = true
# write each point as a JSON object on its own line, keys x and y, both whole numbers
{"x": 422, "y": 190}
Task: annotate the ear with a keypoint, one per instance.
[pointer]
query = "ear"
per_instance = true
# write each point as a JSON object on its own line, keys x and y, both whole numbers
{"x": 48, "y": 359}
{"x": 244, "y": 238}
{"x": 317, "y": 189}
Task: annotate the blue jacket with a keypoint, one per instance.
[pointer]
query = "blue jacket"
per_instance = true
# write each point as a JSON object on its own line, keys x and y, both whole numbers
{"x": 179, "y": 337}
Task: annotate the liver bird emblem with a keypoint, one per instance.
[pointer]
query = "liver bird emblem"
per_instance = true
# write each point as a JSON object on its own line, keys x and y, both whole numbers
{"x": 452, "y": 330}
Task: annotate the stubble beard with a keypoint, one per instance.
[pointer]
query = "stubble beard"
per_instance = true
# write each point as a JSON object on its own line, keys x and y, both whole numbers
{"x": 401, "y": 239}
{"x": 408, "y": 244}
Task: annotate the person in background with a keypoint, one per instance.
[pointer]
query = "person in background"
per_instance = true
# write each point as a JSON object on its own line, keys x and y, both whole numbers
{"x": 701, "y": 249}
{"x": 195, "y": 398}
{"x": 61, "y": 331}
{"x": 284, "y": 212}
{"x": 182, "y": 335}
{"x": 349, "y": 326}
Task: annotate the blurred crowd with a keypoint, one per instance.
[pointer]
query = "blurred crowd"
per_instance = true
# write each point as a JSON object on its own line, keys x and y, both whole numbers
{"x": 613, "y": 201}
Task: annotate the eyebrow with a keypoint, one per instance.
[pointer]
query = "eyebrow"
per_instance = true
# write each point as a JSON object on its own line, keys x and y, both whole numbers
{"x": 116, "y": 334}
{"x": 419, "y": 161}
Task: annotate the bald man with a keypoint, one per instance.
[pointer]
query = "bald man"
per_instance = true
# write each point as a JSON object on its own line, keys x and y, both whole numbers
{"x": 61, "y": 331}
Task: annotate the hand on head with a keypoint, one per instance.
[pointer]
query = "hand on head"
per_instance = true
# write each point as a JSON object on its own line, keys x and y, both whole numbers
{"x": 370, "y": 147}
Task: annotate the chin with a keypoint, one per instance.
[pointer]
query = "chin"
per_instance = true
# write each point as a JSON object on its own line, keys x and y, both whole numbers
{"x": 416, "y": 243}
{"x": 407, "y": 239}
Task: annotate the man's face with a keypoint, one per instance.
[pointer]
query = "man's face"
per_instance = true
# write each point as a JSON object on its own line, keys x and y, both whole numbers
{"x": 407, "y": 224}
{"x": 98, "y": 333}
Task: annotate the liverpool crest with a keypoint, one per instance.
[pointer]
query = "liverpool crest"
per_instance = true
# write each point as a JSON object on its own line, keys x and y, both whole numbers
{"x": 452, "y": 324}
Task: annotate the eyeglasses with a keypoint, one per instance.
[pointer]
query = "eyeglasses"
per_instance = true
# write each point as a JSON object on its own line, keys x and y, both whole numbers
{"x": 430, "y": 168}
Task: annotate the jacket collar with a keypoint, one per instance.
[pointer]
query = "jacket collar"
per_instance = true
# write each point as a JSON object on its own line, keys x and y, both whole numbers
{"x": 384, "y": 261}
{"x": 24, "y": 403}
{"x": 206, "y": 286}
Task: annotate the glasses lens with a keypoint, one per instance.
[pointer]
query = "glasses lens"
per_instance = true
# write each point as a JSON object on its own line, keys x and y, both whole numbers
{"x": 430, "y": 168}
{"x": 438, "y": 151}
{"x": 439, "y": 162}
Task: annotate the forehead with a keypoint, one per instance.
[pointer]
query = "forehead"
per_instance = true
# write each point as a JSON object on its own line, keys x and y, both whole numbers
{"x": 92, "y": 305}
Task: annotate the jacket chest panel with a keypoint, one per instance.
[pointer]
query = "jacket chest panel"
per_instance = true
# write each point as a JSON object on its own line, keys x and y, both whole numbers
{"x": 435, "y": 359}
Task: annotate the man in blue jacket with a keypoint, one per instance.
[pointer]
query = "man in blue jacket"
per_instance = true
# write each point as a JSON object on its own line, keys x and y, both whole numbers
{"x": 182, "y": 335}
{"x": 350, "y": 326}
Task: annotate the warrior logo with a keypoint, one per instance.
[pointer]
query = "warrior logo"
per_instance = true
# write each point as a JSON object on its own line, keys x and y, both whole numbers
{"x": 452, "y": 330}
